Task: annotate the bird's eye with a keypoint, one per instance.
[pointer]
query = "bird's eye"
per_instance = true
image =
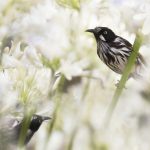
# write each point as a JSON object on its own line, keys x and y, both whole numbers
{"x": 105, "y": 32}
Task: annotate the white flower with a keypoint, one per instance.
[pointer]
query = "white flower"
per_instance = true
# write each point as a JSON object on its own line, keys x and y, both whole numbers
{"x": 31, "y": 56}
{"x": 135, "y": 14}
{"x": 10, "y": 62}
{"x": 8, "y": 95}
{"x": 70, "y": 69}
{"x": 146, "y": 28}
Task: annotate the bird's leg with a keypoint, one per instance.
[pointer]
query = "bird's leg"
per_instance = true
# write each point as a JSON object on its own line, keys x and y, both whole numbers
{"x": 117, "y": 84}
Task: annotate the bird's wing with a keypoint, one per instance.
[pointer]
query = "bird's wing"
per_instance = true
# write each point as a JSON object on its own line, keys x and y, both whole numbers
{"x": 126, "y": 43}
{"x": 120, "y": 43}
{"x": 142, "y": 59}
{"x": 129, "y": 46}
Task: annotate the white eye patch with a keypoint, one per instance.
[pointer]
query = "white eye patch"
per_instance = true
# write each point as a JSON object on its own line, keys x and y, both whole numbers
{"x": 102, "y": 38}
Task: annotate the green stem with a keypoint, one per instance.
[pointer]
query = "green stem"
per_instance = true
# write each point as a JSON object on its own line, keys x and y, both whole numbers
{"x": 124, "y": 78}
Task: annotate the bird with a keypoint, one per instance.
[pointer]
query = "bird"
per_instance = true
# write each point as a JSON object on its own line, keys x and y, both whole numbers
{"x": 11, "y": 130}
{"x": 114, "y": 51}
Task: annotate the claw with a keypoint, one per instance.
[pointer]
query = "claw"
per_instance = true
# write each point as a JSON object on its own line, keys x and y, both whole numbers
{"x": 117, "y": 84}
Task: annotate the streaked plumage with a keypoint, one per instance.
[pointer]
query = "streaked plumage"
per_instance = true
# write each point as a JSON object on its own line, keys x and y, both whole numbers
{"x": 114, "y": 51}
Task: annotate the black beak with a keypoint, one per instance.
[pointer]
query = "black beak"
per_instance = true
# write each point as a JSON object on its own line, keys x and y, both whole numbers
{"x": 90, "y": 30}
{"x": 45, "y": 118}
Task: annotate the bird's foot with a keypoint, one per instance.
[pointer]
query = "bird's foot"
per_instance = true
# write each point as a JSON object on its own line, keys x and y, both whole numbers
{"x": 117, "y": 84}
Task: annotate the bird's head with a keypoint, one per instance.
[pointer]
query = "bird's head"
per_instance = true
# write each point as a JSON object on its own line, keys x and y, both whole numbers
{"x": 103, "y": 34}
{"x": 36, "y": 122}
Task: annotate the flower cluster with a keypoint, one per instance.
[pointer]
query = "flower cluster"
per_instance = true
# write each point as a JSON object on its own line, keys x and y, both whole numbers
{"x": 48, "y": 63}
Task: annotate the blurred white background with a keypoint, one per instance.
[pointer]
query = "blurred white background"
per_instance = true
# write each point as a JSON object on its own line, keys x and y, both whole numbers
{"x": 41, "y": 38}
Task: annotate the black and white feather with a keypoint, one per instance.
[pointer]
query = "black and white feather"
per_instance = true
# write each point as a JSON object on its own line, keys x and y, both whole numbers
{"x": 10, "y": 130}
{"x": 114, "y": 51}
